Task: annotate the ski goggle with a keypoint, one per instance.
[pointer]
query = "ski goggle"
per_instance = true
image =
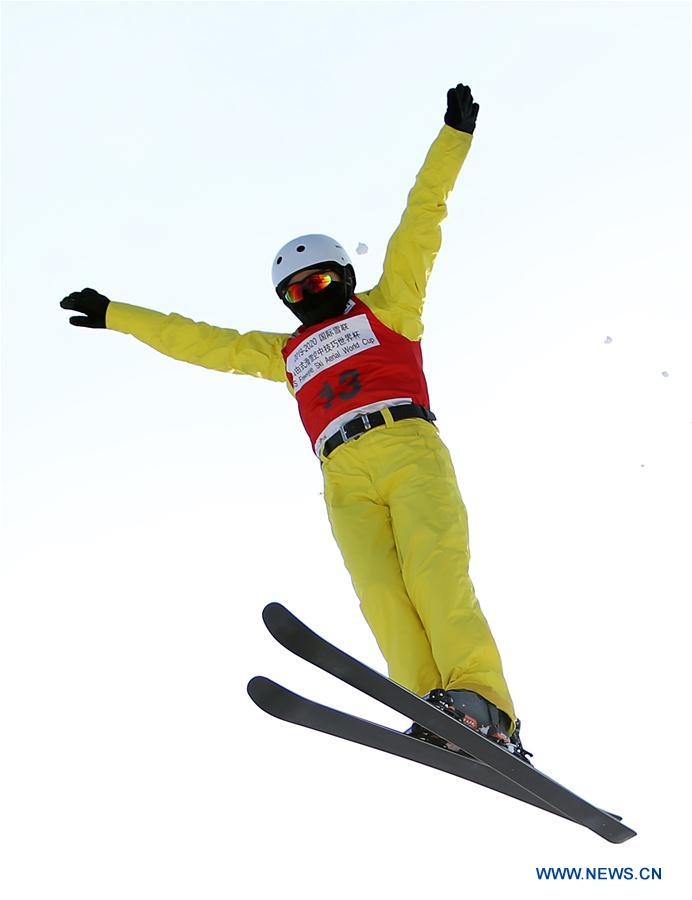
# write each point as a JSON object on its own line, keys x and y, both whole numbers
{"x": 314, "y": 283}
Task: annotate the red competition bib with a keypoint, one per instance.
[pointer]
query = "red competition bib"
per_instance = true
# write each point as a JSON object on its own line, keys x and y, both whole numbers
{"x": 348, "y": 364}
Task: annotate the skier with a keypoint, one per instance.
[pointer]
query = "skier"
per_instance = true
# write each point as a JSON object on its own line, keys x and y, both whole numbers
{"x": 354, "y": 366}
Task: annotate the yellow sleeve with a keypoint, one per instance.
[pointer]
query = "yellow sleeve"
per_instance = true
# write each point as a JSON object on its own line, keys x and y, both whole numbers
{"x": 397, "y": 299}
{"x": 255, "y": 353}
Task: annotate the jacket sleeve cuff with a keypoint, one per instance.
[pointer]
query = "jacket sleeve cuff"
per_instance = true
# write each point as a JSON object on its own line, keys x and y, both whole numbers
{"x": 124, "y": 317}
{"x": 463, "y": 138}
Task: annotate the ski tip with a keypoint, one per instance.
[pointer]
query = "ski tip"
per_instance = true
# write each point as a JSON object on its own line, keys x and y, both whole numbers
{"x": 253, "y": 685}
{"x": 271, "y": 610}
{"x": 279, "y": 619}
{"x": 258, "y": 689}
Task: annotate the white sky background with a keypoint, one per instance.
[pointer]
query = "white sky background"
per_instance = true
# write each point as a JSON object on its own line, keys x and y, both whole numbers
{"x": 161, "y": 153}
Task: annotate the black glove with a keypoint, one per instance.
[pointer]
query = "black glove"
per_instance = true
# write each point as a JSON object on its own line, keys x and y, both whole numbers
{"x": 89, "y": 302}
{"x": 461, "y": 110}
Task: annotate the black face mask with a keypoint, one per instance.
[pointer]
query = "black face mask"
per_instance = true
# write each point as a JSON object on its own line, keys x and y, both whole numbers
{"x": 327, "y": 304}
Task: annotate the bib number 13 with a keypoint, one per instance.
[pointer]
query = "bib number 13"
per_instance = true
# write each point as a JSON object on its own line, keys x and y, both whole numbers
{"x": 349, "y": 385}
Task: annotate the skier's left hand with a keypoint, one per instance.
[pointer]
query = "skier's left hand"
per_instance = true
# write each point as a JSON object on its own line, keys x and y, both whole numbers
{"x": 461, "y": 110}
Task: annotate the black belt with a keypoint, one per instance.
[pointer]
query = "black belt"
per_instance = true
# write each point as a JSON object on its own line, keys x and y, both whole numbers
{"x": 355, "y": 427}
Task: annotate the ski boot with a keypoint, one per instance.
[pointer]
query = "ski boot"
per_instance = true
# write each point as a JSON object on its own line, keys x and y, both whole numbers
{"x": 476, "y": 713}
{"x": 442, "y": 700}
{"x": 483, "y": 716}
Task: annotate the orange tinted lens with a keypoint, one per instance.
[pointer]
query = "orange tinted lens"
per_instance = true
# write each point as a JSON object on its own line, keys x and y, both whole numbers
{"x": 295, "y": 292}
{"x": 313, "y": 283}
{"x": 317, "y": 282}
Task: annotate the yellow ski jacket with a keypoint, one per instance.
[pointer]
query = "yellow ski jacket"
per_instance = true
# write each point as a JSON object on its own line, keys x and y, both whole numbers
{"x": 397, "y": 299}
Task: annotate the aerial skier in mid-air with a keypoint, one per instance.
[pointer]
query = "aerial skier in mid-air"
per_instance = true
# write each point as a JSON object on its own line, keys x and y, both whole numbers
{"x": 354, "y": 366}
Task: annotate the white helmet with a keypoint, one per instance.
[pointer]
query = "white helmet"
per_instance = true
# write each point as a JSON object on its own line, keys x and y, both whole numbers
{"x": 307, "y": 251}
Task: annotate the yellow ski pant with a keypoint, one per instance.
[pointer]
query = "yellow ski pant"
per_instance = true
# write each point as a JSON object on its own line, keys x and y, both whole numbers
{"x": 400, "y": 523}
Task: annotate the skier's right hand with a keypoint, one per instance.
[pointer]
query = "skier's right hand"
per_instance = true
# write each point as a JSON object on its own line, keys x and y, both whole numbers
{"x": 89, "y": 302}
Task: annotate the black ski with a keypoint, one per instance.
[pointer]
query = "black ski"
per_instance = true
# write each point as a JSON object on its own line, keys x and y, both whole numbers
{"x": 299, "y": 639}
{"x": 284, "y": 704}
